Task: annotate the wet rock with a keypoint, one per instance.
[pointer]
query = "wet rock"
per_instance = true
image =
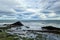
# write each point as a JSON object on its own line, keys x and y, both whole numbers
{"x": 16, "y": 24}
{"x": 27, "y": 27}
{"x": 50, "y": 28}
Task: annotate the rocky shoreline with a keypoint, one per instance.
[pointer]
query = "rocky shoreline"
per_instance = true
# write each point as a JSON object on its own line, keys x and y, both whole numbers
{"x": 49, "y": 29}
{"x": 21, "y": 30}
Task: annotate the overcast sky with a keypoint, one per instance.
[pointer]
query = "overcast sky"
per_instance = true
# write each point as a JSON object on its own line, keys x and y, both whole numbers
{"x": 29, "y": 9}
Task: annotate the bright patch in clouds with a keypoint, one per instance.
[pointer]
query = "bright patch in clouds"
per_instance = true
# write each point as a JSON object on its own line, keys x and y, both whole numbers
{"x": 43, "y": 16}
{"x": 30, "y": 9}
{"x": 52, "y": 14}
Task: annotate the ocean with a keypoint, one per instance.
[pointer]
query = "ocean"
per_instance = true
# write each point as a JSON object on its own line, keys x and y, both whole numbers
{"x": 34, "y": 23}
{"x": 41, "y": 23}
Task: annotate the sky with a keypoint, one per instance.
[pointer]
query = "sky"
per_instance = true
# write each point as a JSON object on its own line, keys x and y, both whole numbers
{"x": 29, "y": 9}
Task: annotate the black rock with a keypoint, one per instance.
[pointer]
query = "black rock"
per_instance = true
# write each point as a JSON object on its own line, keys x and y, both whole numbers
{"x": 16, "y": 24}
{"x": 0, "y": 30}
{"x": 27, "y": 27}
{"x": 50, "y": 28}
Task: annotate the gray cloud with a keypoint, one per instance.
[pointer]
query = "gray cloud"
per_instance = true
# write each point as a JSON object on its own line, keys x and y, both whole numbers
{"x": 30, "y": 9}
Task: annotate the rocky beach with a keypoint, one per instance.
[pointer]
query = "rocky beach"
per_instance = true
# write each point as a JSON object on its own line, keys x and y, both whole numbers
{"x": 31, "y": 33}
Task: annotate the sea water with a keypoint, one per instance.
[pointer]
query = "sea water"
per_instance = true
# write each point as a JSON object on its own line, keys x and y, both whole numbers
{"x": 41, "y": 23}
